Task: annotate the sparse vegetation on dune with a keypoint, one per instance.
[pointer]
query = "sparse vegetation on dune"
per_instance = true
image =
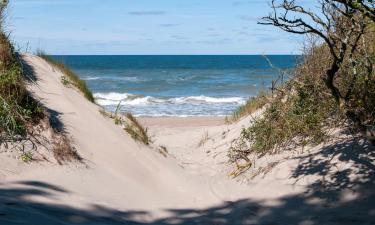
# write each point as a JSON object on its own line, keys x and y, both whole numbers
{"x": 332, "y": 87}
{"x": 130, "y": 124}
{"x": 20, "y": 113}
{"x": 136, "y": 130}
{"x": 71, "y": 76}
{"x": 251, "y": 105}
{"x": 64, "y": 151}
{"x": 18, "y": 110}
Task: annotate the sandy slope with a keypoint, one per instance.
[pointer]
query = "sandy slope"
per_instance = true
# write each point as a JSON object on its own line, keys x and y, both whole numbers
{"x": 121, "y": 181}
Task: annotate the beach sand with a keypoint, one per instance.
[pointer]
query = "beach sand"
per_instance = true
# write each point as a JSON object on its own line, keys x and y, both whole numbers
{"x": 202, "y": 121}
{"x": 121, "y": 181}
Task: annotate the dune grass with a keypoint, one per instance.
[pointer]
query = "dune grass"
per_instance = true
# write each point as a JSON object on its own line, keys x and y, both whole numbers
{"x": 18, "y": 110}
{"x": 72, "y": 77}
{"x": 251, "y": 105}
{"x": 136, "y": 130}
{"x": 130, "y": 124}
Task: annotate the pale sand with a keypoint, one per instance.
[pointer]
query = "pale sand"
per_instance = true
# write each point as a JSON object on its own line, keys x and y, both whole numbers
{"x": 123, "y": 181}
{"x": 201, "y": 121}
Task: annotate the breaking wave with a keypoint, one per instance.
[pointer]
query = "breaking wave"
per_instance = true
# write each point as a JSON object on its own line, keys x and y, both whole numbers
{"x": 113, "y": 98}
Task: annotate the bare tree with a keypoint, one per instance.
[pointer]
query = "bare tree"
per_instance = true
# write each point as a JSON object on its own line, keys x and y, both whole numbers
{"x": 367, "y": 7}
{"x": 337, "y": 24}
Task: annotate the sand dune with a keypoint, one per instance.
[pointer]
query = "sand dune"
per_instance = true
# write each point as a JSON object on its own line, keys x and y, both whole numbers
{"x": 123, "y": 182}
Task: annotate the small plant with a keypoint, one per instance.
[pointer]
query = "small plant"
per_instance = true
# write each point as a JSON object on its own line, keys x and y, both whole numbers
{"x": 163, "y": 150}
{"x": 27, "y": 157}
{"x": 65, "y": 81}
{"x": 130, "y": 124}
{"x": 136, "y": 130}
{"x": 204, "y": 139}
{"x": 240, "y": 169}
{"x": 116, "y": 117}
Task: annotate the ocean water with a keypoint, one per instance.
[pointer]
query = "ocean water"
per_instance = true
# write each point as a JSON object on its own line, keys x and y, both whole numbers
{"x": 176, "y": 85}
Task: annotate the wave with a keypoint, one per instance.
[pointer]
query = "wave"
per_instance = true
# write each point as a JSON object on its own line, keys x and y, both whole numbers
{"x": 132, "y": 79}
{"x": 115, "y": 78}
{"x": 113, "y": 98}
{"x": 92, "y": 78}
{"x": 205, "y": 99}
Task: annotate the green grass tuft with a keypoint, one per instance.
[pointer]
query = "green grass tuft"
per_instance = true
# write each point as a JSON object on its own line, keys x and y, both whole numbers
{"x": 253, "y": 104}
{"x": 18, "y": 110}
{"x": 27, "y": 157}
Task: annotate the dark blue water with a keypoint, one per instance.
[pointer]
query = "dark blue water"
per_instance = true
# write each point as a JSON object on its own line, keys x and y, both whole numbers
{"x": 177, "y": 85}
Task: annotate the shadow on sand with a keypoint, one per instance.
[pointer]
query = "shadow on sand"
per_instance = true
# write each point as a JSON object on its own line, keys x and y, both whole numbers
{"x": 324, "y": 201}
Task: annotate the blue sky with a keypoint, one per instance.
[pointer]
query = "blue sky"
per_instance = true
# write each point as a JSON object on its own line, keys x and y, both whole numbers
{"x": 147, "y": 27}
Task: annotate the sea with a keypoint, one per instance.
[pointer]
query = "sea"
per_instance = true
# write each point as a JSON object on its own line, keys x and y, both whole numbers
{"x": 178, "y": 85}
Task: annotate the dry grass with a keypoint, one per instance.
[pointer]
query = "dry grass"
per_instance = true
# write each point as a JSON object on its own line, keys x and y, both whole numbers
{"x": 204, "y": 139}
{"x": 130, "y": 124}
{"x": 63, "y": 150}
{"x": 136, "y": 130}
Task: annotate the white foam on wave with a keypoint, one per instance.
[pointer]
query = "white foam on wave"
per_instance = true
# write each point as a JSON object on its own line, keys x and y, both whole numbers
{"x": 132, "y": 79}
{"x": 113, "y": 98}
{"x": 118, "y": 78}
{"x": 92, "y": 78}
{"x": 206, "y": 99}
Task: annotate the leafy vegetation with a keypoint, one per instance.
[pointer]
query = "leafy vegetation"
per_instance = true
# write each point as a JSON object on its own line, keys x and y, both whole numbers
{"x": 333, "y": 86}
{"x": 27, "y": 157}
{"x": 72, "y": 77}
{"x": 18, "y": 110}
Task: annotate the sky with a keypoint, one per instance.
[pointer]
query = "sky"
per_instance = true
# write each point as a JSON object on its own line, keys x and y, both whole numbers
{"x": 142, "y": 27}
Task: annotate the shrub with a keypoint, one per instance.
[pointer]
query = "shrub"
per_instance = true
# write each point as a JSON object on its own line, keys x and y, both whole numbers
{"x": 297, "y": 116}
{"x": 304, "y": 108}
